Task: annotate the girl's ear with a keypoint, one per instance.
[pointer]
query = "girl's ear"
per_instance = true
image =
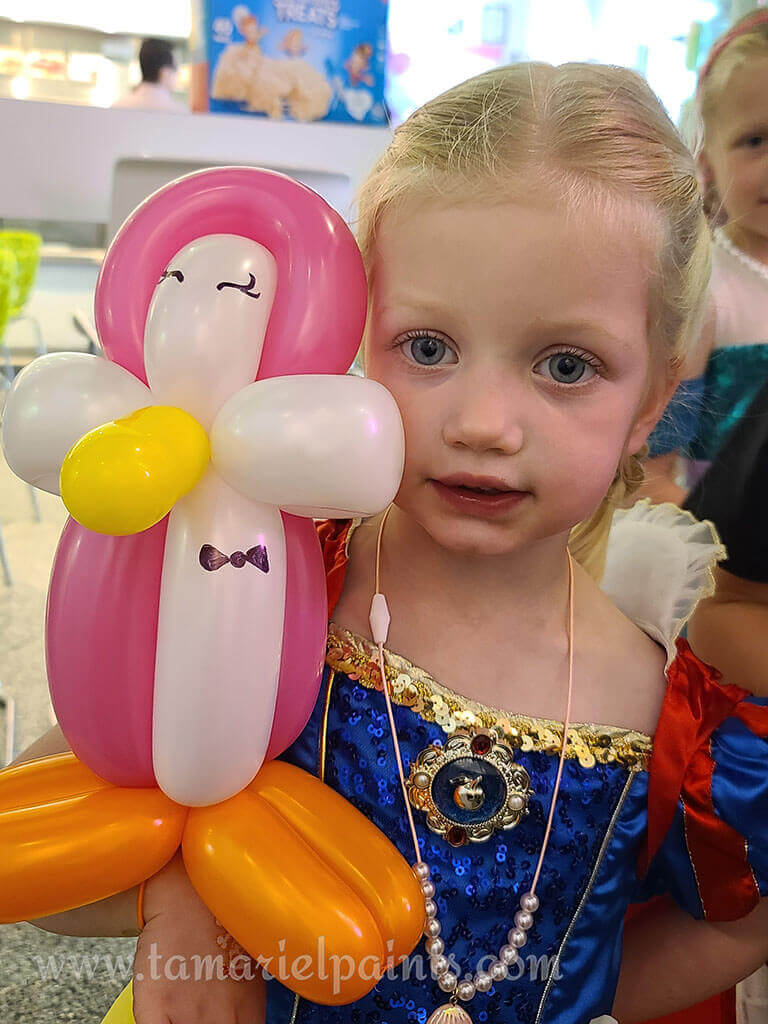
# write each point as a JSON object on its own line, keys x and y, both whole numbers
{"x": 650, "y": 414}
{"x": 705, "y": 173}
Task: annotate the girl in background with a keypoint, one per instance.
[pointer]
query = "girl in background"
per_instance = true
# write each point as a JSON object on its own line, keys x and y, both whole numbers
{"x": 730, "y": 363}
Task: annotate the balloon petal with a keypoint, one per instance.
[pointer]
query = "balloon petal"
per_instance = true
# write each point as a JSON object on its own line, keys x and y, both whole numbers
{"x": 282, "y": 441}
{"x": 68, "y": 838}
{"x": 360, "y": 853}
{"x": 303, "y": 880}
{"x": 55, "y": 401}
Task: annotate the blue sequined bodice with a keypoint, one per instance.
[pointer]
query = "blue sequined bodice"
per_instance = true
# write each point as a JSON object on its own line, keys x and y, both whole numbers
{"x": 567, "y": 972}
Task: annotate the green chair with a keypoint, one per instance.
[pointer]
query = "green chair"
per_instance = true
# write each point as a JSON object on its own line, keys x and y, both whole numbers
{"x": 8, "y": 299}
{"x": 19, "y": 260}
{"x": 8, "y": 275}
{"x": 25, "y": 246}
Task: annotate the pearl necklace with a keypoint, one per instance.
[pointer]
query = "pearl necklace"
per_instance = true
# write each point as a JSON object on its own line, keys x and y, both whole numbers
{"x": 517, "y": 937}
{"x": 744, "y": 258}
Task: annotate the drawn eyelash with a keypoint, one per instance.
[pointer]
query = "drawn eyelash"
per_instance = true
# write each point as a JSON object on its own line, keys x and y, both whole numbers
{"x": 246, "y": 289}
{"x": 172, "y": 273}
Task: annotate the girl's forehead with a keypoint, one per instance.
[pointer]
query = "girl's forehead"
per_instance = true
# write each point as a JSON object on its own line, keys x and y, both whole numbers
{"x": 494, "y": 270}
{"x": 744, "y": 96}
{"x": 429, "y": 242}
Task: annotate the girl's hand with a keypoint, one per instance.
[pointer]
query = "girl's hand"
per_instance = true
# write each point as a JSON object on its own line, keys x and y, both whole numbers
{"x": 181, "y": 971}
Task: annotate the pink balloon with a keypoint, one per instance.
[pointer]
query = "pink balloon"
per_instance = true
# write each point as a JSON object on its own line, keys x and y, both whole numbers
{"x": 318, "y": 315}
{"x": 101, "y": 634}
{"x": 304, "y": 631}
{"x": 102, "y": 617}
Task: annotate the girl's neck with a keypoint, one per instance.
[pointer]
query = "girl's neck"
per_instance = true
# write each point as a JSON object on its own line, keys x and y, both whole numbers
{"x": 755, "y": 246}
{"x": 532, "y": 580}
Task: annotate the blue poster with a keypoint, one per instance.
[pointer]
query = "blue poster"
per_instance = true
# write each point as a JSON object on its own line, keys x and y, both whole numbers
{"x": 306, "y": 60}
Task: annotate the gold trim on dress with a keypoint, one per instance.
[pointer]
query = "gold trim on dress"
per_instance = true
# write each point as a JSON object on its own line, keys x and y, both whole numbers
{"x": 415, "y": 688}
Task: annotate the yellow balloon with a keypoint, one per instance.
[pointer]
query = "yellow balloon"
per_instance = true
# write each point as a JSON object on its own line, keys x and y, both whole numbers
{"x": 121, "y": 1011}
{"x": 125, "y": 476}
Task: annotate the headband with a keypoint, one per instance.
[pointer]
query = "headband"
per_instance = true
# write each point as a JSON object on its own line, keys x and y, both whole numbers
{"x": 760, "y": 17}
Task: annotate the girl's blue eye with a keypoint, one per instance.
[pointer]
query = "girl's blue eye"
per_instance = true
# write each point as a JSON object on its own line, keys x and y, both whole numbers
{"x": 427, "y": 350}
{"x": 566, "y": 368}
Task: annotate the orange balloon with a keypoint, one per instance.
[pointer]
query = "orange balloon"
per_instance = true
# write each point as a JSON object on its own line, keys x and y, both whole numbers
{"x": 68, "y": 838}
{"x": 305, "y": 883}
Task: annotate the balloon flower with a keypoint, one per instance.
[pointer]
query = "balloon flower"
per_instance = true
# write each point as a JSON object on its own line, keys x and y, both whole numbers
{"x": 186, "y": 619}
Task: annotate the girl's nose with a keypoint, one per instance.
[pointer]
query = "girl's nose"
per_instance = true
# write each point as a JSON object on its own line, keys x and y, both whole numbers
{"x": 485, "y": 415}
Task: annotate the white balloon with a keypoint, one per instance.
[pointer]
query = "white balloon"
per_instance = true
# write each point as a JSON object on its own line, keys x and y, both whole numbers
{"x": 205, "y": 327}
{"x": 276, "y": 441}
{"x": 219, "y": 643}
{"x": 57, "y": 399}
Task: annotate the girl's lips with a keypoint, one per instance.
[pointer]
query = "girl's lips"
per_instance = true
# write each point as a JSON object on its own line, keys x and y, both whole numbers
{"x": 471, "y": 501}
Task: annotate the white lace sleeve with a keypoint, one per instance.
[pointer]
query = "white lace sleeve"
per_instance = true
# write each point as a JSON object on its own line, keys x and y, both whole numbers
{"x": 659, "y": 565}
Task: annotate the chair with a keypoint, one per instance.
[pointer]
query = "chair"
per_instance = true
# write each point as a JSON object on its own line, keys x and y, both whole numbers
{"x": 25, "y": 246}
{"x": 19, "y": 259}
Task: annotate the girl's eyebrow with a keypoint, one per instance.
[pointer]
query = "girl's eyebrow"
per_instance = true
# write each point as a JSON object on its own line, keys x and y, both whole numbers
{"x": 172, "y": 273}
{"x": 591, "y": 328}
{"x": 411, "y": 304}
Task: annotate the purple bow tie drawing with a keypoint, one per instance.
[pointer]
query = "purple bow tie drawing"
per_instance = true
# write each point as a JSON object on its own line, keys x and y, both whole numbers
{"x": 212, "y": 559}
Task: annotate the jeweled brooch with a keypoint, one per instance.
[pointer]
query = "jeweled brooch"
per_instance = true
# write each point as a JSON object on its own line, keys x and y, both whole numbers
{"x": 469, "y": 788}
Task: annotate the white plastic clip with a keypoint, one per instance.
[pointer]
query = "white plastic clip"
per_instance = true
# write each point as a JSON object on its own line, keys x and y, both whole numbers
{"x": 379, "y": 619}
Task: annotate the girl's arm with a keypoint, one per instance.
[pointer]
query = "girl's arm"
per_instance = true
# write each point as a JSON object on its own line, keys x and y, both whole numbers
{"x": 730, "y": 630}
{"x": 671, "y": 961}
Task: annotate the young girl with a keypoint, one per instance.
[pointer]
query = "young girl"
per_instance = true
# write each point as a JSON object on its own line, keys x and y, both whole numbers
{"x": 731, "y": 361}
{"x": 538, "y": 257}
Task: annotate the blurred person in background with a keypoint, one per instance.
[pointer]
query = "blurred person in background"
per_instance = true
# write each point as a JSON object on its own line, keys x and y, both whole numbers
{"x": 158, "y": 77}
{"x": 719, "y": 416}
{"x": 730, "y": 363}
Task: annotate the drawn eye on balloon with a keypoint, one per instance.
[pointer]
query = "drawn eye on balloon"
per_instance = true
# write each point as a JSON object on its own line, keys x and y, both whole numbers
{"x": 220, "y": 421}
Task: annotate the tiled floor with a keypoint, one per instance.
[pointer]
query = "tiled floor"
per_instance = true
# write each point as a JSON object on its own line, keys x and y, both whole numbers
{"x": 27, "y": 996}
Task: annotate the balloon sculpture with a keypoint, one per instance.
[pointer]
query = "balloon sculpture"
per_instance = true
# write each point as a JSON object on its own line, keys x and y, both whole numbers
{"x": 186, "y": 615}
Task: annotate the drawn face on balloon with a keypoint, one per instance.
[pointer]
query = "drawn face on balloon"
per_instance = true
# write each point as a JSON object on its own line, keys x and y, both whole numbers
{"x": 207, "y": 321}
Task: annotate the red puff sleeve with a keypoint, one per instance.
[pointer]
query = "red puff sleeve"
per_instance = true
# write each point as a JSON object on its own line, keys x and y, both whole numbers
{"x": 708, "y": 793}
{"x": 333, "y": 534}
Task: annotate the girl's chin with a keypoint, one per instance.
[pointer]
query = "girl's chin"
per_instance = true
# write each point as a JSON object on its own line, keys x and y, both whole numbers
{"x": 475, "y": 537}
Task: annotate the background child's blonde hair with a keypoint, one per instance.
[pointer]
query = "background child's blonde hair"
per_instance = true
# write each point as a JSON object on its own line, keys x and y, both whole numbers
{"x": 746, "y": 39}
{"x": 599, "y": 138}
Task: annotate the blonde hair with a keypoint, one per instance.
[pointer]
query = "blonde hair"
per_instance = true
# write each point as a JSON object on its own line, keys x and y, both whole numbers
{"x": 747, "y": 38}
{"x": 592, "y": 133}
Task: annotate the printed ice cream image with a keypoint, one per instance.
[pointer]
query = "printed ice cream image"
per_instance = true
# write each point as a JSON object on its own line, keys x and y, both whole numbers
{"x": 267, "y": 85}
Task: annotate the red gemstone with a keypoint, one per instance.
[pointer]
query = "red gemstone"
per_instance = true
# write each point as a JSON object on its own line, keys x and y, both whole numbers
{"x": 481, "y": 744}
{"x": 456, "y": 835}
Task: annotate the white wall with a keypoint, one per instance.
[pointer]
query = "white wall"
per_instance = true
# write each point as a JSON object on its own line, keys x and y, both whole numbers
{"x": 59, "y": 161}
